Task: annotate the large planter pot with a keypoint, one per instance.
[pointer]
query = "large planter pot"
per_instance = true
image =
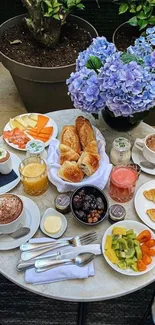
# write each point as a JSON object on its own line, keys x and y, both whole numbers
{"x": 124, "y": 36}
{"x": 42, "y": 89}
{"x": 120, "y": 123}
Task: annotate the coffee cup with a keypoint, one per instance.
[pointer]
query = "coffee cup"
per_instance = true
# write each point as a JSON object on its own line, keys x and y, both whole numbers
{"x": 5, "y": 162}
{"x": 147, "y": 146}
{"x": 12, "y": 213}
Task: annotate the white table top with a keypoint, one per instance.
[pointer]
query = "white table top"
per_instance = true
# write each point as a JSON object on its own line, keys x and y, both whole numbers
{"x": 106, "y": 283}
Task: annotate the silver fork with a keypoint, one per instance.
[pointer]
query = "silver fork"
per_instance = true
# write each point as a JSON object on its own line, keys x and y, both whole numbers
{"x": 83, "y": 239}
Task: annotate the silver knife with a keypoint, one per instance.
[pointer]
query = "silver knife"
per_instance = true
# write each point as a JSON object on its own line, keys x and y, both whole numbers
{"x": 66, "y": 253}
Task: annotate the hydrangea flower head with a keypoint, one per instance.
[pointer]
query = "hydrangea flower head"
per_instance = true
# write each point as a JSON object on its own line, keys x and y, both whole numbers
{"x": 100, "y": 47}
{"x": 123, "y": 83}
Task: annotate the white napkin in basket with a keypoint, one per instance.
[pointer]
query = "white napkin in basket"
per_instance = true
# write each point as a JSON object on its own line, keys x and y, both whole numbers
{"x": 99, "y": 178}
{"x": 62, "y": 273}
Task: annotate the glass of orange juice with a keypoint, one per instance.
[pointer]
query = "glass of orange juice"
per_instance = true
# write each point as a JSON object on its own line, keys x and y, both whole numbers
{"x": 33, "y": 172}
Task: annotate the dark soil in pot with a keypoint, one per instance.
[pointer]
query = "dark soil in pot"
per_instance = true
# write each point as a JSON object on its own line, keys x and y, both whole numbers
{"x": 73, "y": 40}
{"x": 124, "y": 36}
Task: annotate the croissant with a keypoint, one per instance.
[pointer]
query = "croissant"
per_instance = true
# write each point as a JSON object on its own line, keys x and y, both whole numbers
{"x": 92, "y": 147}
{"x": 89, "y": 163}
{"x": 85, "y": 131}
{"x": 66, "y": 153}
{"x": 70, "y": 172}
{"x": 150, "y": 194}
{"x": 151, "y": 214}
{"x": 70, "y": 138}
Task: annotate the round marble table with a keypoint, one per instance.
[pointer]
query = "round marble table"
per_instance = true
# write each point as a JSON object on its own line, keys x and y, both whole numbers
{"x": 106, "y": 283}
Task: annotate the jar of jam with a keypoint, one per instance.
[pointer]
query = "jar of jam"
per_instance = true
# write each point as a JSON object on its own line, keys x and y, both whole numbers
{"x": 120, "y": 153}
{"x": 62, "y": 203}
{"x": 122, "y": 183}
{"x": 116, "y": 213}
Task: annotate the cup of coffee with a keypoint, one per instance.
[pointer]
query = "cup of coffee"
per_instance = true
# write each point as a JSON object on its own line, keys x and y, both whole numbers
{"x": 5, "y": 162}
{"x": 12, "y": 213}
{"x": 147, "y": 146}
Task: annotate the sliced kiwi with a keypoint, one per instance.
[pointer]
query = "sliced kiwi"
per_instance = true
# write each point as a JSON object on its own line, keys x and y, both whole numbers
{"x": 130, "y": 253}
{"x": 122, "y": 265}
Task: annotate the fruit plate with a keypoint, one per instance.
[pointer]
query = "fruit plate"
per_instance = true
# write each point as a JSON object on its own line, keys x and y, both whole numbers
{"x": 137, "y": 227}
{"x": 141, "y": 208}
{"x": 51, "y": 122}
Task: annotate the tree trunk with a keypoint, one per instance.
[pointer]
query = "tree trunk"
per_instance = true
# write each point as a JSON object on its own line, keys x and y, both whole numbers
{"x": 44, "y": 30}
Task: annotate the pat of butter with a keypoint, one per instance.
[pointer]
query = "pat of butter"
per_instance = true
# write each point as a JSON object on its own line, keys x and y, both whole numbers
{"x": 52, "y": 224}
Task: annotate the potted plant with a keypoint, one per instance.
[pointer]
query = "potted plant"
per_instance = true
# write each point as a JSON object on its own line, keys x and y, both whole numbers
{"x": 142, "y": 17}
{"x": 120, "y": 84}
{"x": 40, "y": 49}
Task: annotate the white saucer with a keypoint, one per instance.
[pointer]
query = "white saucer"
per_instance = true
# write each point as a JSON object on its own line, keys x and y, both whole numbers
{"x": 15, "y": 166}
{"x": 53, "y": 212}
{"x": 142, "y": 204}
{"x": 137, "y": 157}
{"x": 32, "y": 221}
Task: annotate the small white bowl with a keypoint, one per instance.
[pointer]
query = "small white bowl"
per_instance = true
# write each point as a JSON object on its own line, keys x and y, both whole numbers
{"x": 6, "y": 228}
{"x": 53, "y": 212}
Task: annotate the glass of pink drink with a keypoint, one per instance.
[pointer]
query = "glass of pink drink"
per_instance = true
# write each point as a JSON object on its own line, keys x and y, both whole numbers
{"x": 122, "y": 183}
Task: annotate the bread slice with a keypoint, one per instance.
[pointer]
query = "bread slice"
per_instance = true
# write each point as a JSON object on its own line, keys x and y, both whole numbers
{"x": 150, "y": 194}
{"x": 151, "y": 214}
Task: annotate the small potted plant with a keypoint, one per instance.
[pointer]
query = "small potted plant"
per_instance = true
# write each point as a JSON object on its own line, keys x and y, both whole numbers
{"x": 142, "y": 17}
{"x": 120, "y": 84}
{"x": 40, "y": 49}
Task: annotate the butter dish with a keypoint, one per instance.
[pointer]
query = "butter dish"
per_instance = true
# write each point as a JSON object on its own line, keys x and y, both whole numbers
{"x": 53, "y": 213}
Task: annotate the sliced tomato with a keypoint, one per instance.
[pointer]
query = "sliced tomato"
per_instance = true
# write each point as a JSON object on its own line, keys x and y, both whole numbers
{"x": 144, "y": 236}
{"x": 150, "y": 243}
{"x": 146, "y": 259}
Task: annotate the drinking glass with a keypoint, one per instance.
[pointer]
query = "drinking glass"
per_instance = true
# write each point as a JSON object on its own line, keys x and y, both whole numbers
{"x": 122, "y": 183}
{"x": 33, "y": 172}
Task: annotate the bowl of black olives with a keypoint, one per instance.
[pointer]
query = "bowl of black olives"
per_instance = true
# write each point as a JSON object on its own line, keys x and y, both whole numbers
{"x": 89, "y": 205}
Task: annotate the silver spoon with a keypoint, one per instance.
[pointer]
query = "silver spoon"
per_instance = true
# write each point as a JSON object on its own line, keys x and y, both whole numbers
{"x": 147, "y": 164}
{"x": 23, "y": 231}
{"x": 80, "y": 260}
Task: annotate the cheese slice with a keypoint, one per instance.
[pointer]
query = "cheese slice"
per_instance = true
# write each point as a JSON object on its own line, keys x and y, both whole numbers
{"x": 21, "y": 121}
{"x": 29, "y": 122}
{"x": 52, "y": 224}
{"x": 33, "y": 117}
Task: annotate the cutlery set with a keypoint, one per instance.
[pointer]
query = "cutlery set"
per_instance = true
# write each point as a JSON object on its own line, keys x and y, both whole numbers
{"x": 33, "y": 253}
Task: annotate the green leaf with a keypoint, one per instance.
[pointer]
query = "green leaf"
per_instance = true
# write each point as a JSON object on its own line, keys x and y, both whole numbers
{"x": 48, "y": 3}
{"x": 147, "y": 9}
{"x": 141, "y": 15}
{"x": 132, "y": 10}
{"x": 56, "y": 17}
{"x": 127, "y": 58}
{"x": 138, "y": 117}
{"x": 80, "y": 5}
{"x": 94, "y": 63}
{"x": 151, "y": 20}
{"x": 139, "y": 8}
{"x": 133, "y": 21}
{"x": 123, "y": 8}
{"x": 142, "y": 24}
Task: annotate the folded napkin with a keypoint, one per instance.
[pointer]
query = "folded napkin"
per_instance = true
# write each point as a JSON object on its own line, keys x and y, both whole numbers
{"x": 66, "y": 272}
{"x": 99, "y": 178}
{"x": 8, "y": 178}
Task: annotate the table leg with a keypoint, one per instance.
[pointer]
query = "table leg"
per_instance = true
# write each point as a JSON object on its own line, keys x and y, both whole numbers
{"x": 82, "y": 312}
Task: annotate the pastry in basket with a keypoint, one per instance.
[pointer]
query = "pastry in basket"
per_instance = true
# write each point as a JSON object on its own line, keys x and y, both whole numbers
{"x": 92, "y": 147}
{"x": 151, "y": 214}
{"x": 150, "y": 194}
{"x": 85, "y": 131}
{"x": 89, "y": 163}
{"x": 70, "y": 138}
{"x": 67, "y": 154}
{"x": 70, "y": 172}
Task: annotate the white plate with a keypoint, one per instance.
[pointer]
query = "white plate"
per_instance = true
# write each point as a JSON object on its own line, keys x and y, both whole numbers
{"x": 53, "y": 212}
{"x": 51, "y": 122}
{"x": 15, "y": 166}
{"x": 137, "y": 227}
{"x": 137, "y": 157}
{"x": 142, "y": 204}
{"x": 32, "y": 221}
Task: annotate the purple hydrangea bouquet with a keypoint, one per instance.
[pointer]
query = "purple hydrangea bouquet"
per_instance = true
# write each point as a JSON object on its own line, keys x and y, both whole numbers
{"x": 109, "y": 80}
